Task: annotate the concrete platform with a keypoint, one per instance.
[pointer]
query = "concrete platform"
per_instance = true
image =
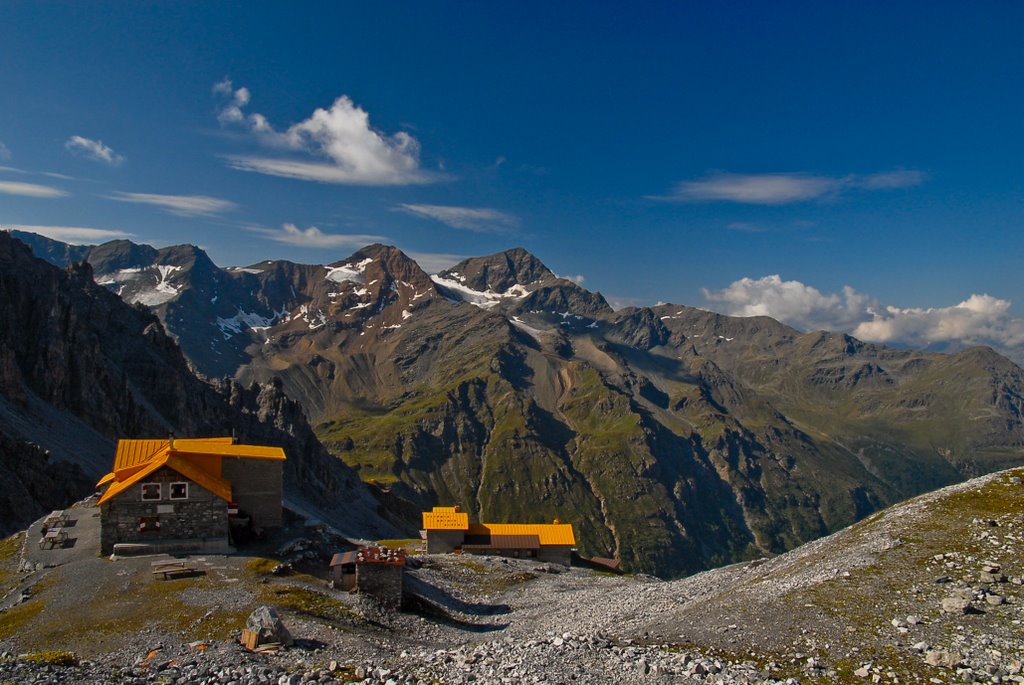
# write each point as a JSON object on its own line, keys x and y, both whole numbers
{"x": 83, "y": 538}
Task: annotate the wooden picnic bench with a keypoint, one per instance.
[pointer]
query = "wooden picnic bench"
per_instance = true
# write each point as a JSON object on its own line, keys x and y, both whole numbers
{"x": 172, "y": 568}
{"x": 53, "y": 538}
{"x": 58, "y": 517}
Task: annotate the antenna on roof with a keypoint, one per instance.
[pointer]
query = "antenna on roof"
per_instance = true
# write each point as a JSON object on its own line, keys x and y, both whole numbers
{"x": 234, "y": 438}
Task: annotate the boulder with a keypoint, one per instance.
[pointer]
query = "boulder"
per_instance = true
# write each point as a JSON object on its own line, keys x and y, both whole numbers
{"x": 268, "y": 627}
{"x": 943, "y": 658}
{"x": 956, "y": 605}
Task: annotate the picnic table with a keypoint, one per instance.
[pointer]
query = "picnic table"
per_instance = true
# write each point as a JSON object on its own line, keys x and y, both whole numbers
{"x": 58, "y": 517}
{"x": 172, "y": 567}
{"x": 55, "y": 537}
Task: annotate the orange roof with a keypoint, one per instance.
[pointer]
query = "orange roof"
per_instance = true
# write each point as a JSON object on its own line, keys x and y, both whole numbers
{"x": 445, "y": 518}
{"x": 453, "y": 518}
{"x": 138, "y": 452}
{"x": 547, "y": 533}
{"x": 195, "y": 458}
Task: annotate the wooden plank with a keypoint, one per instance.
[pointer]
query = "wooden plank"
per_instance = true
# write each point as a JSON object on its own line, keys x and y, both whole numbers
{"x": 249, "y": 638}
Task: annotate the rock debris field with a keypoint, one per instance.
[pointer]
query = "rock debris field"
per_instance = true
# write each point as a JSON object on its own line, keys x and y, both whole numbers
{"x": 929, "y": 591}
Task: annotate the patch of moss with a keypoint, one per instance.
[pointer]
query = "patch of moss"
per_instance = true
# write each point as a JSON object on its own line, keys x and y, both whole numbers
{"x": 260, "y": 566}
{"x": 307, "y": 602}
{"x": 14, "y": 619}
{"x": 414, "y": 545}
{"x": 53, "y": 657}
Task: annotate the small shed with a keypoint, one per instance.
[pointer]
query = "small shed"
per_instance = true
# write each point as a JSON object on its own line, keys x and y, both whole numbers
{"x": 375, "y": 571}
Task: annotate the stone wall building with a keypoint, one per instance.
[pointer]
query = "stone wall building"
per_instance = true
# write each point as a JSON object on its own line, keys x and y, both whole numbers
{"x": 447, "y": 529}
{"x": 184, "y": 494}
{"x": 375, "y": 571}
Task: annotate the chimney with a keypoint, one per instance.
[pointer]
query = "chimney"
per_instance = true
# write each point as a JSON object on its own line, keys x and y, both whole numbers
{"x": 171, "y": 441}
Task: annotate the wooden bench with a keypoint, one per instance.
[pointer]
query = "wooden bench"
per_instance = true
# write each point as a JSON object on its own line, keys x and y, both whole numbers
{"x": 58, "y": 517}
{"x": 53, "y": 538}
{"x": 172, "y": 568}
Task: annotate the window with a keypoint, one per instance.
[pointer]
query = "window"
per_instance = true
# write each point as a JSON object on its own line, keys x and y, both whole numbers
{"x": 149, "y": 524}
{"x": 179, "y": 490}
{"x": 150, "y": 491}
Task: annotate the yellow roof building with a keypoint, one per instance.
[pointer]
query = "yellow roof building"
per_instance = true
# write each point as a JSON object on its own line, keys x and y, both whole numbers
{"x": 453, "y": 518}
{"x": 198, "y": 459}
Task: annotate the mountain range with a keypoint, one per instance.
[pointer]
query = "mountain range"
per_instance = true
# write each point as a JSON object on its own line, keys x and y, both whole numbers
{"x": 80, "y": 368}
{"x": 674, "y": 438}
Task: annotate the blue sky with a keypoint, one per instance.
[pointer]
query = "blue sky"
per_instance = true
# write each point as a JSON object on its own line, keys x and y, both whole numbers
{"x": 855, "y": 166}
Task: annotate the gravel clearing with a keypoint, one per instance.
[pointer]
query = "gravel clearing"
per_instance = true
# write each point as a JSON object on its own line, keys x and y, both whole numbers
{"x": 927, "y": 592}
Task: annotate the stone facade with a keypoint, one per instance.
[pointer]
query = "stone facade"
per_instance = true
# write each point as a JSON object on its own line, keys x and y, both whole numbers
{"x": 200, "y": 516}
{"x": 256, "y": 485}
{"x": 382, "y": 581}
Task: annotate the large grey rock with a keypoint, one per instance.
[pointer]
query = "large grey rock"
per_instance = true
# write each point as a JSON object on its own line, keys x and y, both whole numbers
{"x": 268, "y": 626}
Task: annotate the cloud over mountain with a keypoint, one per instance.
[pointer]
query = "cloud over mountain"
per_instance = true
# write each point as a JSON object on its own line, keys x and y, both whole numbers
{"x": 978, "y": 320}
{"x": 74, "y": 235}
{"x": 291, "y": 234}
{"x": 338, "y": 145}
{"x": 181, "y": 205}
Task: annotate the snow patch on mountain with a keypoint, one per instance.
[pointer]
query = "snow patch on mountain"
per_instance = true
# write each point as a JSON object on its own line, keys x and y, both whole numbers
{"x": 315, "y": 319}
{"x": 246, "y": 321}
{"x": 483, "y": 299}
{"x": 348, "y": 272}
{"x": 523, "y": 326}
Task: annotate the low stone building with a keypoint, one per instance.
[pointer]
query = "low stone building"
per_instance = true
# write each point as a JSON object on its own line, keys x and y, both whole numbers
{"x": 447, "y": 529}
{"x": 375, "y": 571}
{"x": 182, "y": 494}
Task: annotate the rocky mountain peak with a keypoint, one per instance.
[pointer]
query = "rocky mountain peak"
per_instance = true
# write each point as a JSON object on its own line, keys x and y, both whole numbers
{"x": 116, "y": 255}
{"x": 387, "y": 264}
{"x": 499, "y": 272}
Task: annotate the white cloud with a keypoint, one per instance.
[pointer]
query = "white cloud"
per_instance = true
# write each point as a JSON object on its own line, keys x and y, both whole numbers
{"x": 478, "y": 219}
{"x": 978, "y": 320}
{"x": 30, "y": 189}
{"x": 345, "y": 148}
{"x": 5, "y": 152}
{"x": 314, "y": 237}
{"x": 435, "y": 262}
{"x": 93, "y": 149}
{"x": 76, "y": 235}
{"x": 578, "y": 279}
{"x": 182, "y": 205}
{"x": 786, "y": 188}
{"x": 792, "y": 302}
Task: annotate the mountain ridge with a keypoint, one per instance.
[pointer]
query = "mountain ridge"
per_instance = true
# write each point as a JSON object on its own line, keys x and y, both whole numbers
{"x": 684, "y": 438}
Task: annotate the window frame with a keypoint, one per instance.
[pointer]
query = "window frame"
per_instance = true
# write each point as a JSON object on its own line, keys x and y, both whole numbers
{"x": 170, "y": 491}
{"x": 159, "y": 491}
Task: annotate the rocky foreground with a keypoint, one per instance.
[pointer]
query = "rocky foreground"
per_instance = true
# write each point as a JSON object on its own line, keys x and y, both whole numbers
{"x": 927, "y": 592}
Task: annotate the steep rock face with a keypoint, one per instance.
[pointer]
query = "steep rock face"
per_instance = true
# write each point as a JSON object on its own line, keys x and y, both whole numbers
{"x": 74, "y": 358}
{"x": 675, "y": 438}
{"x": 34, "y": 484}
{"x": 499, "y": 272}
